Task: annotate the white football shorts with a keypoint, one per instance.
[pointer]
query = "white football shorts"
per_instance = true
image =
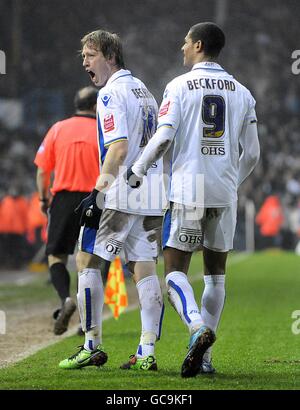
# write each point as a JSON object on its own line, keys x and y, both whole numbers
{"x": 189, "y": 228}
{"x": 136, "y": 235}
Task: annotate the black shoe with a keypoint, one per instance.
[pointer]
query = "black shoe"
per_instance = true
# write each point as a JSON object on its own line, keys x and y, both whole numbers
{"x": 200, "y": 341}
{"x": 63, "y": 316}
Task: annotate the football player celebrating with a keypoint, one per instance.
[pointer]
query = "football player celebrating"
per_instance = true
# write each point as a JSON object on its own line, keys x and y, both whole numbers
{"x": 111, "y": 217}
{"x": 204, "y": 117}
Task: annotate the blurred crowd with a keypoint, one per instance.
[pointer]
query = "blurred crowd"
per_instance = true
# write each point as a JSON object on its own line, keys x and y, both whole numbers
{"x": 23, "y": 229}
{"x": 260, "y": 40}
{"x": 263, "y": 43}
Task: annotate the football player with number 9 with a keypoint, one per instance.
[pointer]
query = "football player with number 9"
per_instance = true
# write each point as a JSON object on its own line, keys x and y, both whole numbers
{"x": 204, "y": 117}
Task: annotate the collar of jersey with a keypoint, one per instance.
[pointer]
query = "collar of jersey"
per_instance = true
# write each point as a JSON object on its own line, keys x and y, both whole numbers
{"x": 118, "y": 74}
{"x": 207, "y": 65}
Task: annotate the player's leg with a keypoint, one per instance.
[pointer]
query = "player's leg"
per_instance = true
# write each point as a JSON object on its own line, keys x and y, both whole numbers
{"x": 97, "y": 249}
{"x": 181, "y": 236}
{"x": 180, "y": 291}
{"x": 152, "y": 312}
{"x": 213, "y": 296}
{"x": 177, "y": 253}
{"x": 219, "y": 232}
{"x": 104, "y": 269}
{"x": 90, "y": 298}
{"x": 141, "y": 250}
{"x": 94, "y": 245}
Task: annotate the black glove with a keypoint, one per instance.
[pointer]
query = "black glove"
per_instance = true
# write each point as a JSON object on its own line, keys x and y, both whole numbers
{"x": 133, "y": 180}
{"x": 90, "y": 209}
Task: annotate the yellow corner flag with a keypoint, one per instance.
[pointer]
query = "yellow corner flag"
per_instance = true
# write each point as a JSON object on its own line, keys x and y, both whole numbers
{"x": 115, "y": 290}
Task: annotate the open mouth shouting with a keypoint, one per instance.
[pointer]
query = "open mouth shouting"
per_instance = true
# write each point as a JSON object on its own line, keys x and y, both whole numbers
{"x": 91, "y": 74}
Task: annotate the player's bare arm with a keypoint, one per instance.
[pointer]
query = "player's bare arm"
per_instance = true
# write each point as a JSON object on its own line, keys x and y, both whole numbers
{"x": 115, "y": 157}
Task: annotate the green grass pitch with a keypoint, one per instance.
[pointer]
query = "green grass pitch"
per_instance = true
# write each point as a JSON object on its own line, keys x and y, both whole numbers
{"x": 255, "y": 348}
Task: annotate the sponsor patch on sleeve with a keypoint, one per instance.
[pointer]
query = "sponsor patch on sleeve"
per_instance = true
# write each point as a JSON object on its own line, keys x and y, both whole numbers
{"x": 109, "y": 123}
{"x": 164, "y": 109}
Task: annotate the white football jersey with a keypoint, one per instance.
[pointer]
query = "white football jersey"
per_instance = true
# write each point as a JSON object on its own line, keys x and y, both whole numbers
{"x": 209, "y": 110}
{"x": 126, "y": 110}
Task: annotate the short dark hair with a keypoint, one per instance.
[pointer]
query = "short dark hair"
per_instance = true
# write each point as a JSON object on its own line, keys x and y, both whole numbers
{"x": 211, "y": 36}
{"x": 86, "y": 99}
{"x": 108, "y": 43}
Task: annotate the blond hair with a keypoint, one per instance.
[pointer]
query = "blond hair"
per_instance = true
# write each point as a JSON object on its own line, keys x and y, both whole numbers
{"x": 108, "y": 43}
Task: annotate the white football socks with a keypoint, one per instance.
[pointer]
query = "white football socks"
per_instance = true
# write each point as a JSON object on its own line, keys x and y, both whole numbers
{"x": 181, "y": 296}
{"x": 212, "y": 304}
{"x": 90, "y": 298}
{"x": 152, "y": 308}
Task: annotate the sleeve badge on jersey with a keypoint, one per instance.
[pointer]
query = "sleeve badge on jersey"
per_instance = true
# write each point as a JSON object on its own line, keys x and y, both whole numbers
{"x": 164, "y": 109}
{"x": 109, "y": 123}
{"x": 105, "y": 99}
